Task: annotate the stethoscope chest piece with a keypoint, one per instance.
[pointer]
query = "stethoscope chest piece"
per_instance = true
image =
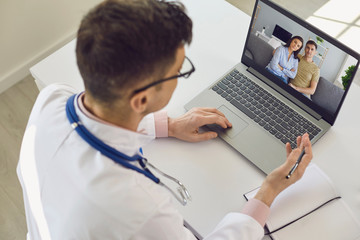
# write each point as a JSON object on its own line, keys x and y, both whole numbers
{"x": 119, "y": 157}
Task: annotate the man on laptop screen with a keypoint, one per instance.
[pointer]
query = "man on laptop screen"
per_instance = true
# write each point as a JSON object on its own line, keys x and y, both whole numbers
{"x": 266, "y": 111}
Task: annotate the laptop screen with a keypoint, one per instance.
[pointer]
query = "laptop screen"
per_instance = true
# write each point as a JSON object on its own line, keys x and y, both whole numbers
{"x": 311, "y": 66}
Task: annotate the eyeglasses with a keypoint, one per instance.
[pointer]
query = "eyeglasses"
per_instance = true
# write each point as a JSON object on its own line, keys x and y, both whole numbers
{"x": 186, "y": 70}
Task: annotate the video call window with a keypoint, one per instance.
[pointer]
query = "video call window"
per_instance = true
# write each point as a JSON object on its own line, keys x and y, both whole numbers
{"x": 265, "y": 50}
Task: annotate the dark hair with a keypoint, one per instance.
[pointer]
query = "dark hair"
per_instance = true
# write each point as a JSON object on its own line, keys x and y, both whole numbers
{"x": 311, "y": 42}
{"x": 296, "y": 52}
{"x": 123, "y": 42}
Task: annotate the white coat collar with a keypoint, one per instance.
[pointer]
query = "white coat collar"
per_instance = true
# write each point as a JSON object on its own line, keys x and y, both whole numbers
{"x": 124, "y": 140}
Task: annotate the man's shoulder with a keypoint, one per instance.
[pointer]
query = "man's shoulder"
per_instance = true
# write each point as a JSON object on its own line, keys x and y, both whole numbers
{"x": 49, "y": 106}
{"x": 57, "y": 88}
{"x": 53, "y": 93}
{"x": 309, "y": 65}
{"x": 314, "y": 66}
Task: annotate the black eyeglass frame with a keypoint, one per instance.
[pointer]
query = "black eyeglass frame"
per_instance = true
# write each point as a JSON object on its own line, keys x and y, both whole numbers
{"x": 184, "y": 75}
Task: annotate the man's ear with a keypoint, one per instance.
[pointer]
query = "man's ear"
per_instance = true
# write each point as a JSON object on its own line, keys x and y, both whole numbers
{"x": 139, "y": 102}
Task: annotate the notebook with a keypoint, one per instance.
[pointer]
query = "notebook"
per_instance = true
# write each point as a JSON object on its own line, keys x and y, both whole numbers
{"x": 313, "y": 209}
{"x": 265, "y": 111}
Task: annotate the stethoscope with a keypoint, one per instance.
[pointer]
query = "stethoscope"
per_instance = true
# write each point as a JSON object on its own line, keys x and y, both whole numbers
{"x": 119, "y": 157}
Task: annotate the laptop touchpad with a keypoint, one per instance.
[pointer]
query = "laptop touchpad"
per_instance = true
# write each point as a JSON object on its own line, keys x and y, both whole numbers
{"x": 238, "y": 124}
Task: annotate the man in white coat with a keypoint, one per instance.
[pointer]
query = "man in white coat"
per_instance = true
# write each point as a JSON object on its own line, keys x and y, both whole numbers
{"x": 130, "y": 54}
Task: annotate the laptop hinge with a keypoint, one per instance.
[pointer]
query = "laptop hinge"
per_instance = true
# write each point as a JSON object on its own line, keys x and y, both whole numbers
{"x": 284, "y": 93}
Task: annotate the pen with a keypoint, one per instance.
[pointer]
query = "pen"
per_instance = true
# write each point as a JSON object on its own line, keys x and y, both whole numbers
{"x": 296, "y": 164}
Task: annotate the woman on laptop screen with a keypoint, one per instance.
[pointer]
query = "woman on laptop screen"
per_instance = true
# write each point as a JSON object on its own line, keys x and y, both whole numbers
{"x": 284, "y": 63}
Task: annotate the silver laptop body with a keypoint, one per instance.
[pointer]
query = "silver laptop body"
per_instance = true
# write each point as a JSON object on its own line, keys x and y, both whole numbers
{"x": 264, "y": 144}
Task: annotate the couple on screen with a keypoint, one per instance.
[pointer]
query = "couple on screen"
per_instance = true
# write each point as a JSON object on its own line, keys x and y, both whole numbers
{"x": 299, "y": 72}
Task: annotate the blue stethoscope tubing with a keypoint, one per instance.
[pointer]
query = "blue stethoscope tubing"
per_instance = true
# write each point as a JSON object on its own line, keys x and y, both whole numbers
{"x": 105, "y": 149}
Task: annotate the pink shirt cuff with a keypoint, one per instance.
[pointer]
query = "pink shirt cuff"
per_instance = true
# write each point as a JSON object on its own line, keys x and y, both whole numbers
{"x": 161, "y": 124}
{"x": 257, "y": 210}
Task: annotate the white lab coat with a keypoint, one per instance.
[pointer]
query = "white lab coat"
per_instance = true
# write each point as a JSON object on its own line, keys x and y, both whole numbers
{"x": 71, "y": 191}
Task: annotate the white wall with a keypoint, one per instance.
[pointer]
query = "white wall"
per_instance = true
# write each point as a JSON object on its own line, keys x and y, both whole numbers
{"x": 32, "y": 29}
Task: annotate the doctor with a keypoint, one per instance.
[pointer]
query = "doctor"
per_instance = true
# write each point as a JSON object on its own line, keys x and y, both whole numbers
{"x": 81, "y": 167}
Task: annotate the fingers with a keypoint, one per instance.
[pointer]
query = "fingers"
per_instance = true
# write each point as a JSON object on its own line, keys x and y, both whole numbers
{"x": 305, "y": 160}
{"x": 298, "y": 141}
{"x": 306, "y": 144}
{"x": 211, "y": 116}
{"x": 288, "y": 149}
{"x": 198, "y": 137}
{"x": 308, "y": 148}
{"x": 213, "y": 119}
{"x": 187, "y": 126}
{"x": 288, "y": 145}
{"x": 207, "y": 110}
{"x": 210, "y": 110}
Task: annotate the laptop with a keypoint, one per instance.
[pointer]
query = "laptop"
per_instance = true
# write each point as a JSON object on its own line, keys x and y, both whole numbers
{"x": 265, "y": 111}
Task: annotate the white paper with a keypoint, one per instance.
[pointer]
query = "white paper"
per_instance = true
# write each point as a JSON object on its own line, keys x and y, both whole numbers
{"x": 332, "y": 221}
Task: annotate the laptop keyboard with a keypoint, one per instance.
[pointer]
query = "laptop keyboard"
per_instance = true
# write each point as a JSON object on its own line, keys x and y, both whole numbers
{"x": 263, "y": 108}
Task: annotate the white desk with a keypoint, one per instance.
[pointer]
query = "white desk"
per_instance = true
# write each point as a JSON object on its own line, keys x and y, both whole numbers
{"x": 215, "y": 174}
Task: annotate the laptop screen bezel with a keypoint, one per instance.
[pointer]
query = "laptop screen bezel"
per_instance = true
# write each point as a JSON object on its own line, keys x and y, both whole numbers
{"x": 328, "y": 117}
